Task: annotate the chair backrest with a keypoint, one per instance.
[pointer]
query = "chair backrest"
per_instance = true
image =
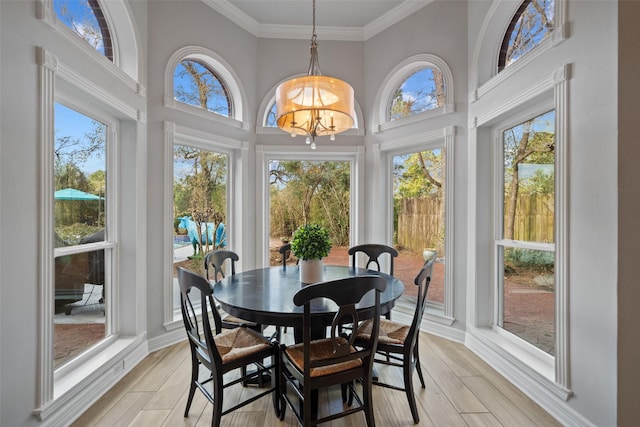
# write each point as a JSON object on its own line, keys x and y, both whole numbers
{"x": 193, "y": 289}
{"x": 285, "y": 251}
{"x": 214, "y": 262}
{"x": 373, "y": 251}
{"x": 422, "y": 281}
{"x": 345, "y": 293}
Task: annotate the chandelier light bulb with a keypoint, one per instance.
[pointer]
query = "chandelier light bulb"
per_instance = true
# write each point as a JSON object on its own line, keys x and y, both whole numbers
{"x": 308, "y": 140}
{"x": 313, "y": 146}
{"x": 332, "y": 137}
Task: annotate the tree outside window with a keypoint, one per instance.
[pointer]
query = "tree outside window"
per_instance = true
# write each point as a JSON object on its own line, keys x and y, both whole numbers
{"x": 422, "y": 91}
{"x": 531, "y": 25}
{"x": 197, "y": 85}
{"x": 86, "y": 19}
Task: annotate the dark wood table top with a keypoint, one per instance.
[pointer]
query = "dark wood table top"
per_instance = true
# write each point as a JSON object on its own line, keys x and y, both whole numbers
{"x": 265, "y": 295}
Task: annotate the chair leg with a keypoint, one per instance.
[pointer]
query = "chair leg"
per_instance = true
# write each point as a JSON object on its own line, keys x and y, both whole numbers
{"x": 418, "y": 367}
{"x": 408, "y": 389}
{"x": 278, "y": 401}
{"x": 367, "y": 395}
{"x": 217, "y": 402}
{"x": 192, "y": 386}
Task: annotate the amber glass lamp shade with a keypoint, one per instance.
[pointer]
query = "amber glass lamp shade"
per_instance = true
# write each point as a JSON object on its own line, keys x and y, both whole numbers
{"x": 314, "y": 105}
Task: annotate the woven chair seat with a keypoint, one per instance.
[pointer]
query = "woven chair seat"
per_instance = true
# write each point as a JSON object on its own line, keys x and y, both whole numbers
{"x": 321, "y": 349}
{"x": 390, "y": 332}
{"x": 239, "y": 342}
{"x": 233, "y": 319}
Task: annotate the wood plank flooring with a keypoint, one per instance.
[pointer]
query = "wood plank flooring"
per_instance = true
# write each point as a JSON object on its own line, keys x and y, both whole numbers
{"x": 461, "y": 390}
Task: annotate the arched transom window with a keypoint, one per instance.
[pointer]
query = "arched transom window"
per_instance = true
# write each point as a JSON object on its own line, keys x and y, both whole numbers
{"x": 530, "y": 26}
{"x": 421, "y": 91}
{"x": 86, "y": 19}
{"x": 198, "y": 85}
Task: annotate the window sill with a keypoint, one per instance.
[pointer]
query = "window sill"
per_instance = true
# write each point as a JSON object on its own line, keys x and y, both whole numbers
{"x": 529, "y": 368}
{"x": 78, "y": 388}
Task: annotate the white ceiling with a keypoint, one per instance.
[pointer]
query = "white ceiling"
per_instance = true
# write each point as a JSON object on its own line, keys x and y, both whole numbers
{"x": 335, "y": 19}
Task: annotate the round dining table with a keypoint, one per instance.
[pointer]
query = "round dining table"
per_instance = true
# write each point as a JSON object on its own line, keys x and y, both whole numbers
{"x": 265, "y": 295}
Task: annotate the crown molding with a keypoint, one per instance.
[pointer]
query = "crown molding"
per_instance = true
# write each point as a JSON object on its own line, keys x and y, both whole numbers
{"x": 380, "y": 24}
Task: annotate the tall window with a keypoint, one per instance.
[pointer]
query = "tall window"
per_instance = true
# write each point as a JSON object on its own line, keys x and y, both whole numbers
{"x": 305, "y": 191}
{"x": 422, "y": 91}
{"x": 200, "y": 179}
{"x": 525, "y": 246}
{"x": 85, "y": 18}
{"x": 197, "y": 85}
{"x": 419, "y": 215}
{"x": 530, "y": 26}
{"x": 82, "y": 252}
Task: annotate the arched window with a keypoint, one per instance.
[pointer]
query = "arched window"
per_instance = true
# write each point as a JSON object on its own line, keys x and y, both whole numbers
{"x": 200, "y": 82}
{"x": 86, "y": 19}
{"x": 197, "y": 85}
{"x": 417, "y": 89}
{"x": 421, "y": 91}
{"x": 530, "y": 26}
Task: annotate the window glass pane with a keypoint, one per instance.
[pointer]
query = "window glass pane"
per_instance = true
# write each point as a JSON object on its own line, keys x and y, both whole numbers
{"x": 197, "y": 85}
{"x": 79, "y": 177}
{"x": 529, "y": 180}
{"x": 419, "y": 217}
{"x": 422, "y": 91}
{"x": 85, "y": 18}
{"x": 79, "y": 219}
{"x": 200, "y": 208}
{"x": 528, "y": 296}
{"x": 79, "y": 320}
{"x": 272, "y": 120}
{"x": 531, "y": 25}
{"x": 315, "y": 192}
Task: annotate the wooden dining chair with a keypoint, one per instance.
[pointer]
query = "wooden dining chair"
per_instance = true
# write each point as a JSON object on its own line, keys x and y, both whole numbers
{"x": 221, "y": 351}
{"x": 398, "y": 343}
{"x": 214, "y": 265}
{"x": 313, "y": 364}
{"x": 285, "y": 252}
{"x": 374, "y": 252}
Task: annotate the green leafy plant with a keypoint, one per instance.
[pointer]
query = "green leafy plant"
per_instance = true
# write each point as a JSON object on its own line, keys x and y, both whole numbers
{"x": 311, "y": 241}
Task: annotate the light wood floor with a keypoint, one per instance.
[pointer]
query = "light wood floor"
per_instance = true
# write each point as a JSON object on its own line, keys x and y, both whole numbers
{"x": 461, "y": 390}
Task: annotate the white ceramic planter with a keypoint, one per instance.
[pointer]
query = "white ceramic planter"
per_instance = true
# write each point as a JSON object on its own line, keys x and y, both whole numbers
{"x": 310, "y": 271}
{"x": 427, "y": 254}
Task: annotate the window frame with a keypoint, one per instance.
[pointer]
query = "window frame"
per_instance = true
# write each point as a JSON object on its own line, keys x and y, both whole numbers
{"x": 437, "y": 316}
{"x": 126, "y": 64}
{"x": 548, "y": 93}
{"x": 216, "y": 64}
{"x": 181, "y": 135}
{"x": 265, "y": 154}
{"x": 500, "y": 243}
{"x": 60, "y": 83}
{"x": 397, "y": 77}
{"x": 109, "y": 245}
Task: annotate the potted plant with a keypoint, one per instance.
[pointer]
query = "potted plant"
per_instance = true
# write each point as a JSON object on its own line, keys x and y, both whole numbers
{"x": 310, "y": 244}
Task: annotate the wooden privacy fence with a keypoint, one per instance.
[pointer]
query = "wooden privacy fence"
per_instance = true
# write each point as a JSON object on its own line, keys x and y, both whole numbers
{"x": 421, "y": 221}
{"x": 420, "y": 224}
{"x": 534, "y": 218}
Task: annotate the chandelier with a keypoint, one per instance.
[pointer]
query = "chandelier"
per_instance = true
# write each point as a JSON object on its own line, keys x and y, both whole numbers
{"x": 314, "y": 105}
